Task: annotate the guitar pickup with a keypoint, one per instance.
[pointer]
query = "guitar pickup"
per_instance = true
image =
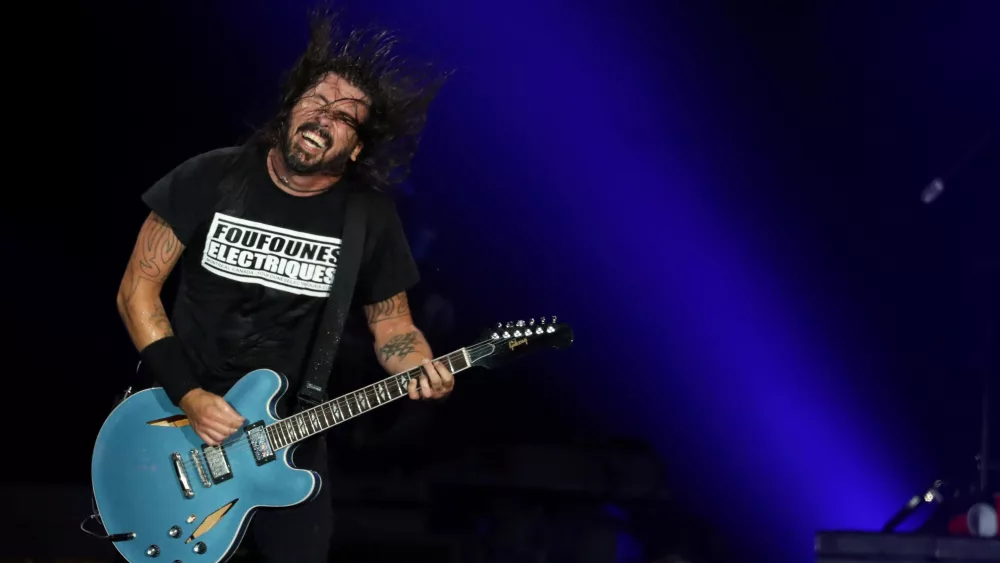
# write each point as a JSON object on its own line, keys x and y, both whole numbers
{"x": 259, "y": 443}
{"x": 219, "y": 469}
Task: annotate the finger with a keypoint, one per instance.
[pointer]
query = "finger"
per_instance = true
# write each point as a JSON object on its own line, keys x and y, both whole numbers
{"x": 220, "y": 427}
{"x": 235, "y": 420}
{"x": 411, "y": 390}
{"x": 230, "y": 412}
{"x": 220, "y": 420}
{"x": 227, "y": 417}
{"x": 425, "y": 388}
{"x": 211, "y": 436}
{"x": 447, "y": 378}
{"x": 432, "y": 375}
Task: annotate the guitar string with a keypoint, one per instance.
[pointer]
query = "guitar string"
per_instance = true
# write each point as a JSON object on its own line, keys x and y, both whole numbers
{"x": 239, "y": 441}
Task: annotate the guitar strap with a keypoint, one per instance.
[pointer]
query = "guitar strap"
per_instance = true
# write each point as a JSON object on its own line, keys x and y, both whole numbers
{"x": 331, "y": 325}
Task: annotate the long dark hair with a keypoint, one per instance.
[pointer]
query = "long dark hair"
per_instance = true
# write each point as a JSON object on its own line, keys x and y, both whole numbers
{"x": 400, "y": 92}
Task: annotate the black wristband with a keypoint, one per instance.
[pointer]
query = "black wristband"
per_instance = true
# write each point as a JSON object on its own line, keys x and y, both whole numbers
{"x": 170, "y": 367}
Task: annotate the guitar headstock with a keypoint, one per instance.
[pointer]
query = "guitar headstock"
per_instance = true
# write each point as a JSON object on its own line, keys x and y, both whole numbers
{"x": 510, "y": 340}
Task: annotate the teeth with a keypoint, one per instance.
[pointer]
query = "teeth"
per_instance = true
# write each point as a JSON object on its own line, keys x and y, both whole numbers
{"x": 314, "y": 139}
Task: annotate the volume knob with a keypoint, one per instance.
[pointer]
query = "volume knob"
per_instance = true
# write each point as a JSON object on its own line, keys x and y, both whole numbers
{"x": 153, "y": 551}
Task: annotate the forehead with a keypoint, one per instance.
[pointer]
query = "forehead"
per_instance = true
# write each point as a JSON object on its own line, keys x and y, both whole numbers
{"x": 340, "y": 93}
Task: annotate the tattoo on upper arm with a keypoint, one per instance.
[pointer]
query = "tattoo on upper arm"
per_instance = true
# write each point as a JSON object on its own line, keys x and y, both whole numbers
{"x": 157, "y": 249}
{"x": 391, "y": 308}
{"x": 154, "y": 254}
{"x": 399, "y": 346}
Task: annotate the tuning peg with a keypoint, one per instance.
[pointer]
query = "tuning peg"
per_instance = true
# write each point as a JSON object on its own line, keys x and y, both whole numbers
{"x": 543, "y": 320}
{"x": 553, "y": 319}
{"x": 509, "y": 324}
{"x": 499, "y": 325}
{"x": 531, "y": 322}
{"x": 520, "y": 323}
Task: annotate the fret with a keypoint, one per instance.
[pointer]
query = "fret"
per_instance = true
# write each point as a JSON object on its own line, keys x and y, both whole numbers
{"x": 352, "y": 409}
{"x": 381, "y": 392}
{"x": 401, "y": 381}
{"x": 324, "y": 412}
{"x": 270, "y": 436}
{"x": 361, "y": 398}
{"x": 314, "y": 420}
{"x": 338, "y": 415}
{"x": 284, "y": 432}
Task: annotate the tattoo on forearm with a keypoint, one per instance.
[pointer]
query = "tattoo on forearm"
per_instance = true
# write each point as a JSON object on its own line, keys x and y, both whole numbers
{"x": 399, "y": 346}
{"x": 395, "y": 306}
{"x": 160, "y": 320}
{"x": 157, "y": 249}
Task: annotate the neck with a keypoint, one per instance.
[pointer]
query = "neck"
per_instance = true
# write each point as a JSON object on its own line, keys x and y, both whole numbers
{"x": 293, "y": 184}
{"x": 322, "y": 417}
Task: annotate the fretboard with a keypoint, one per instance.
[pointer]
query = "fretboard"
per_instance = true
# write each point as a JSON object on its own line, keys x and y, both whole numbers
{"x": 322, "y": 417}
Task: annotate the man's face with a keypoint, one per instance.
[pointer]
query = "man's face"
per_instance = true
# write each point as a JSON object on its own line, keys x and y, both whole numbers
{"x": 321, "y": 134}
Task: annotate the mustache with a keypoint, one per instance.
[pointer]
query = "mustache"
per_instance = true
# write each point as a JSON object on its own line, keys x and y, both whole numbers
{"x": 314, "y": 127}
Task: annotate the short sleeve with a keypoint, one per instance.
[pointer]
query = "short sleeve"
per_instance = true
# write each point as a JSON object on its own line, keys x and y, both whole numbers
{"x": 185, "y": 196}
{"x": 390, "y": 267}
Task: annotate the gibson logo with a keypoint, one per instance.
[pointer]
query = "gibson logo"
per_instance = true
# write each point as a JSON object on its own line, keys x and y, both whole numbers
{"x": 515, "y": 343}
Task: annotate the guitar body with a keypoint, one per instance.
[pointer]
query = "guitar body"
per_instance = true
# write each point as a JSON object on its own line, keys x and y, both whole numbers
{"x": 138, "y": 490}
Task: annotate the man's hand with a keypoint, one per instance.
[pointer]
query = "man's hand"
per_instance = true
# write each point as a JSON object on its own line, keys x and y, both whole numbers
{"x": 436, "y": 382}
{"x": 210, "y": 415}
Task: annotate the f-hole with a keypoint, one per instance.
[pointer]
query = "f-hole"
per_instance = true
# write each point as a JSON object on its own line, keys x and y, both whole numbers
{"x": 174, "y": 421}
{"x": 211, "y": 520}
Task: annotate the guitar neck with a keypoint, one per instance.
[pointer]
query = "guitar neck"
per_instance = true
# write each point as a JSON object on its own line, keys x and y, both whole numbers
{"x": 322, "y": 417}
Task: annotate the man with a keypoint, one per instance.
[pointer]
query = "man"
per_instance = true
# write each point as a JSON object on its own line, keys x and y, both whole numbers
{"x": 258, "y": 231}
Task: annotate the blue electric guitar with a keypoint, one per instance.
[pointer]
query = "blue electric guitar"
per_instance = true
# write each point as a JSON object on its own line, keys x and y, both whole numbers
{"x": 162, "y": 493}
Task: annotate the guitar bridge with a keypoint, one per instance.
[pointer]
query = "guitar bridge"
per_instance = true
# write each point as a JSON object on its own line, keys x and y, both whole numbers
{"x": 219, "y": 469}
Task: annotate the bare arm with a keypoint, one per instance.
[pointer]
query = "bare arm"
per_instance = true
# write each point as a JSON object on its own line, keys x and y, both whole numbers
{"x": 153, "y": 258}
{"x": 400, "y": 346}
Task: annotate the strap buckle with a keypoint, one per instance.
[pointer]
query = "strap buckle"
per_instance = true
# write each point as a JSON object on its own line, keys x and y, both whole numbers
{"x": 311, "y": 395}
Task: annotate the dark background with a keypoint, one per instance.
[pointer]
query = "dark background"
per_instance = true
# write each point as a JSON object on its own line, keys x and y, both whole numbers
{"x": 816, "y": 129}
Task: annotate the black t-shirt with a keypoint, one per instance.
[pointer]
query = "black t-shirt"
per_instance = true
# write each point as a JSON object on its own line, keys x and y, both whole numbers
{"x": 259, "y": 263}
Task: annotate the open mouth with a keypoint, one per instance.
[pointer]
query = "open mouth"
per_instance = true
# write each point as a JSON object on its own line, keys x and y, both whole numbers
{"x": 314, "y": 140}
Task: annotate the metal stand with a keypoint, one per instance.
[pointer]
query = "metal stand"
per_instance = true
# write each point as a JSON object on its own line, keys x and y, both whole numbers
{"x": 984, "y": 466}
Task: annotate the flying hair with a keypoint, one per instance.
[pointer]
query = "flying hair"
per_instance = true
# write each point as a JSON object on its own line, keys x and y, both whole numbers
{"x": 399, "y": 93}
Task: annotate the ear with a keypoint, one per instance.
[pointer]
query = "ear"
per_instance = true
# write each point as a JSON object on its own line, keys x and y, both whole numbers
{"x": 356, "y": 152}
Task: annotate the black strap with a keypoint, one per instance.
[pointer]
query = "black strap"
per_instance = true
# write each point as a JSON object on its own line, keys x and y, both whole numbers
{"x": 331, "y": 326}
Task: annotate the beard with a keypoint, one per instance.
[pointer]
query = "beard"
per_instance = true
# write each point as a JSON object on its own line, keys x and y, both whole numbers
{"x": 333, "y": 160}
